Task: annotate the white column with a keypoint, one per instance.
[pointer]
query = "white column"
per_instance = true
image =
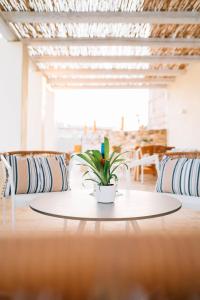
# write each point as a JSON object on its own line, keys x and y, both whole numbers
{"x": 49, "y": 127}
{"x": 24, "y": 97}
{"x": 35, "y": 98}
{"x": 11, "y": 60}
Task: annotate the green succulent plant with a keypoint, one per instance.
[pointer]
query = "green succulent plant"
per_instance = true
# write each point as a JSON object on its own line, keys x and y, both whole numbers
{"x": 103, "y": 166}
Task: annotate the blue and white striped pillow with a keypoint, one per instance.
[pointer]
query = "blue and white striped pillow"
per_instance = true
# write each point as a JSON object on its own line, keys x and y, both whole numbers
{"x": 48, "y": 177}
{"x": 179, "y": 176}
{"x": 38, "y": 174}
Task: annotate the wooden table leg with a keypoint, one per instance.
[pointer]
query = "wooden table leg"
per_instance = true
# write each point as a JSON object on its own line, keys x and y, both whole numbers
{"x": 65, "y": 225}
{"x": 135, "y": 226}
{"x": 135, "y": 174}
{"x": 97, "y": 227}
{"x": 81, "y": 226}
{"x": 142, "y": 174}
{"x": 128, "y": 227}
{"x": 163, "y": 223}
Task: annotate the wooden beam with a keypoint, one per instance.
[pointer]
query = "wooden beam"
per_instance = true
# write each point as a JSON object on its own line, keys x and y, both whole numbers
{"x": 160, "y": 59}
{"x": 111, "y": 81}
{"x": 130, "y": 42}
{"x": 6, "y": 31}
{"x": 105, "y": 72}
{"x": 89, "y": 87}
{"x": 152, "y": 17}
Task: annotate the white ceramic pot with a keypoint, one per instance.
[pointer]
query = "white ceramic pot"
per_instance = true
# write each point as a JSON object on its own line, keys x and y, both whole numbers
{"x": 105, "y": 193}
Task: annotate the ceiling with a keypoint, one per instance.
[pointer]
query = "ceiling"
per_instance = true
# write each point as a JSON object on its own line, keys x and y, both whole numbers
{"x": 106, "y": 43}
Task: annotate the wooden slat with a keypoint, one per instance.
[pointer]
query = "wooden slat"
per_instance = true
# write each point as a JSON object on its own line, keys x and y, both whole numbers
{"x": 89, "y": 87}
{"x": 111, "y": 81}
{"x": 6, "y": 31}
{"x": 161, "y": 59}
{"x": 148, "y": 42}
{"x": 97, "y": 72}
{"x": 152, "y": 17}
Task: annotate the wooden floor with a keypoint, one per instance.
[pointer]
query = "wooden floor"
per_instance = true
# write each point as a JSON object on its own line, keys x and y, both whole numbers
{"x": 28, "y": 220}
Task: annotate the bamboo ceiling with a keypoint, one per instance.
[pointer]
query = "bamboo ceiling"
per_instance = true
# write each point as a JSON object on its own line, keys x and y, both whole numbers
{"x": 58, "y": 30}
{"x": 100, "y": 5}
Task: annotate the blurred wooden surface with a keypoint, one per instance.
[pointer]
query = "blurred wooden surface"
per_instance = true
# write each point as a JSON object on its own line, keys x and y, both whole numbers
{"x": 154, "y": 266}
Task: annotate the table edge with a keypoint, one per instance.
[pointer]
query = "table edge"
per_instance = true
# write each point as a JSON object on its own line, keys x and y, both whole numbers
{"x": 108, "y": 219}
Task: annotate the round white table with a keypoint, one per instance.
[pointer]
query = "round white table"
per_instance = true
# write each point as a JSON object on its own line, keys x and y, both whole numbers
{"x": 129, "y": 206}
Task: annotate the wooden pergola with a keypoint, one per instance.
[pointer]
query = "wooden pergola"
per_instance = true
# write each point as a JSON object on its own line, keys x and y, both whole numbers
{"x": 79, "y": 44}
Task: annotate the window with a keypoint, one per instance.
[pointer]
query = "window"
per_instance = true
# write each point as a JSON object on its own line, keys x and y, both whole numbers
{"x": 78, "y": 108}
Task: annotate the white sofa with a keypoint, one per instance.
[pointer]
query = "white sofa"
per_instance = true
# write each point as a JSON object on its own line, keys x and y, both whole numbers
{"x": 23, "y": 200}
{"x": 187, "y": 201}
{"x": 20, "y": 200}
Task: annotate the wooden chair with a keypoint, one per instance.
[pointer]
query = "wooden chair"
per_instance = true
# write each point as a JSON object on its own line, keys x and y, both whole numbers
{"x": 37, "y": 153}
{"x": 148, "y": 152}
{"x": 185, "y": 154}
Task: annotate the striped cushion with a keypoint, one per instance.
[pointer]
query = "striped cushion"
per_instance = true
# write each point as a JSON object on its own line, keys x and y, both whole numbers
{"x": 54, "y": 174}
{"x": 179, "y": 176}
{"x": 38, "y": 174}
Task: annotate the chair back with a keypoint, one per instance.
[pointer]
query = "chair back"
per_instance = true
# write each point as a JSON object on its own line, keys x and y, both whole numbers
{"x": 37, "y": 153}
{"x": 182, "y": 154}
{"x": 3, "y": 178}
{"x": 154, "y": 149}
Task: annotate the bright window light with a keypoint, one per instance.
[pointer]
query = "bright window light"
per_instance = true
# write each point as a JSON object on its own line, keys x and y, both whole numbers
{"x": 79, "y": 108}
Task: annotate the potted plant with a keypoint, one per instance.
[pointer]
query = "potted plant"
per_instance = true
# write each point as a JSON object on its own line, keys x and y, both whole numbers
{"x": 101, "y": 169}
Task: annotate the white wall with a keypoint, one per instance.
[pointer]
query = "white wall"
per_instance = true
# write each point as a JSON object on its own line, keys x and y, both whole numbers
{"x": 41, "y": 115}
{"x": 10, "y": 95}
{"x": 183, "y": 118}
{"x": 157, "y": 116}
{"x": 35, "y": 100}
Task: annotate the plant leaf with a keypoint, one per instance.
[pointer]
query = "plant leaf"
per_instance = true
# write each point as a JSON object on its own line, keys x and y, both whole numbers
{"x": 97, "y": 156}
{"x": 84, "y": 174}
{"x": 92, "y": 159}
{"x": 96, "y": 172}
{"x": 118, "y": 161}
{"x": 90, "y": 179}
{"x": 86, "y": 158}
{"x": 116, "y": 167}
{"x": 117, "y": 157}
{"x": 95, "y": 161}
{"x": 106, "y": 169}
{"x": 113, "y": 175}
{"x": 106, "y": 148}
{"x": 113, "y": 153}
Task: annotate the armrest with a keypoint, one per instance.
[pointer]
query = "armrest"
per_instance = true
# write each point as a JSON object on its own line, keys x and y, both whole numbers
{"x": 10, "y": 175}
{"x": 8, "y": 167}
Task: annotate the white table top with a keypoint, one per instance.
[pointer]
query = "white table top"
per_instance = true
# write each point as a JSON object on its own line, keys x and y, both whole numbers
{"x": 129, "y": 205}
